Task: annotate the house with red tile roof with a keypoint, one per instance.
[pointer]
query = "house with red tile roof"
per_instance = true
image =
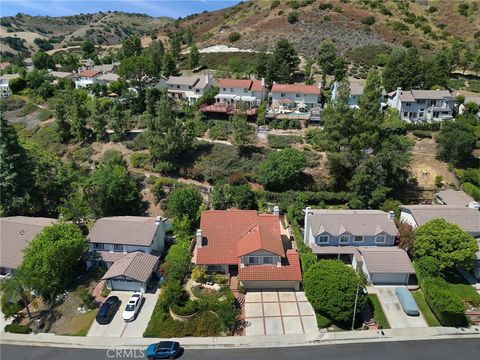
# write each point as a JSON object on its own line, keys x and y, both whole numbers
{"x": 250, "y": 92}
{"x": 86, "y": 78}
{"x": 295, "y": 96}
{"x": 249, "y": 245}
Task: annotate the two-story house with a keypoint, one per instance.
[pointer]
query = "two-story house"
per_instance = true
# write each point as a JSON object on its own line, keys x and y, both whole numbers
{"x": 129, "y": 247}
{"x": 4, "y": 80}
{"x": 189, "y": 88}
{"x": 363, "y": 238}
{"x": 86, "y": 78}
{"x": 249, "y": 245}
{"x": 249, "y": 92}
{"x": 422, "y": 105}
{"x": 16, "y": 232}
{"x": 295, "y": 96}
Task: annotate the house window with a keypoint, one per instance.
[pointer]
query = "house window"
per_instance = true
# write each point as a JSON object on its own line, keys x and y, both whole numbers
{"x": 118, "y": 247}
{"x": 189, "y": 87}
{"x": 98, "y": 246}
{"x": 224, "y": 89}
{"x": 253, "y": 260}
{"x": 282, "y": 94}
{"x": 322, "y": 239}
{"x": 344, "y": 239}
{"x": 357, "y": 238}
{"x": 380, "y": 239}
{"x": 297, "y": 95}
{"x": 405, "y": 113}
{"x": 178, "y": 86}
{"x": 268, "y": 260}
{"x": 197, "y": 91}
{"x": 407, "y": 104}
{"x": 245, "y": 91}
{"x": 231, "y": 89}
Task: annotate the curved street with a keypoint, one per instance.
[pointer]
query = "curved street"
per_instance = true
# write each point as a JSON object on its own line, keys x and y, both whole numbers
{"x": 461, "y": 349}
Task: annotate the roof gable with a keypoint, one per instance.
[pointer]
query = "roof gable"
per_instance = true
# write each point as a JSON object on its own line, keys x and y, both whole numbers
{"x": 259, "y": 237}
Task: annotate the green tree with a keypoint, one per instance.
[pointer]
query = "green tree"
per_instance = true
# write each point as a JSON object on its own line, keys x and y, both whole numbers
{"x": 168, "y": 139}
{"x": 118, "y": 122}
{"x": 447, "y": 243}
{"x": 17, "y": 85}
{"x": 193, "y": 57}
{"x": 331, "y": 288}
{"x": 16, "y": 173}
{"x": 42, "y": 61}
{"x": 184, "y": 201}
{"x": 175, "y": 44}
{"x": 131, "y": 46}
{"x": 169, "y": 65}
{"x": 13, "y": 288}
{"x": 239, "y": 196}
{"x": 78, "y": 116}
{"x": 98, "y": 121}
{"x": 326, "y": 55}
{"x": 339, "y": 68}
{"x": 54, "y": 256}
{"x": 457, "y": 140}
{"x": 88, "y": 48}
{"x": 241, "y": 129}
{"x": 157, "y": 51}
{"x": 404, "y": 69}
{"x": 261, "y": 64}
{"x": 139, "y": 71}
{"x": 283, "y": 62}
{"x": 282, "y": 170}
{"x": 62, "y": 125}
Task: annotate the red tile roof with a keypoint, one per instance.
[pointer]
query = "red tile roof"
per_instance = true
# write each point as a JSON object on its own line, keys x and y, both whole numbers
{"x": 292, "y": 88}
{"x": 88, "y": 73}
{"x": 261, "y": 237}
{"x": 223, "y": 229}
{"x": 289, "y": 271}
{"x": 234, "y": 83}
{"x": 257, "y": 85}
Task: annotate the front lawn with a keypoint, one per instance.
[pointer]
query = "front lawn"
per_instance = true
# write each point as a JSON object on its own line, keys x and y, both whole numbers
{"x": 377, "y": 310}
{"x": 428, "y": 315}
{"x": 82, "y": 323}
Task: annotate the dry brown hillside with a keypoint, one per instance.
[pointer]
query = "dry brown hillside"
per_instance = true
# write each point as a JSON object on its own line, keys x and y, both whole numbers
{"x": 18, "y": 33}
{"x": 425, "y": 23}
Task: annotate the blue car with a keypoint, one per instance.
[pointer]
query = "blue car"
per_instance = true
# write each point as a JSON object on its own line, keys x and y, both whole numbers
{"x": 163, "y": 350}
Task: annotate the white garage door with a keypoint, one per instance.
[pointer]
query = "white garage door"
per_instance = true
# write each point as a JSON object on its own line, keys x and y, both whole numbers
{"x": 126, "y": 285}
{"x": 393, "y": 279}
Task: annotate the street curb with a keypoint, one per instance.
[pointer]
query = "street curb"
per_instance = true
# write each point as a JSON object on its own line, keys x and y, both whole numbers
{"x": 340, "y": 338}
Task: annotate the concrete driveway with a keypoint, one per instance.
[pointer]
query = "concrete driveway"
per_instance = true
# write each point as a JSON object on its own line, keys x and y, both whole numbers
{"x": 117, "y": 327}
{"x": 393, "y": 310}
{"x": 278, "y": 313}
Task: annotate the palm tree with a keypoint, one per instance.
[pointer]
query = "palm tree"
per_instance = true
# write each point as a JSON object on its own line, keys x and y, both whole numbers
{"x": 15, "y": 287}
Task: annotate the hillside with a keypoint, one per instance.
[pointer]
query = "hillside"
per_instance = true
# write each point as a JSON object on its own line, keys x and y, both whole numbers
{"x": 19, "y": 32}
{"x": 350, "y": 23}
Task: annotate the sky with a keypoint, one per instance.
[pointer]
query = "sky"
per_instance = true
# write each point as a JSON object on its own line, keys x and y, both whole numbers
{"x": 171, "y": 8}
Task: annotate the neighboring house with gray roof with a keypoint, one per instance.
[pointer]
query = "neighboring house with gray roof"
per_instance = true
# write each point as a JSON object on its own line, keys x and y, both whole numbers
{"x": 356, "y": 90}
{"x": 107, "y": 78}
{"x": 189, "y": 88}
{"x": 16, "y": 232}
{"x": 132, "y": 272}
{"x": 466, "y": 218}
{"x": 363, "y": 238}
{"x": 455, "y": 198}
{"x": 422, "y": 105}
{"x": 112, "y": 239}
{"x": 476, "y": 266}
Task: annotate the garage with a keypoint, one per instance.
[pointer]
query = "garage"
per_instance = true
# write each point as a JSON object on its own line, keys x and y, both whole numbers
{"x": 132, "y": 272}
{"x": 386, "y": 265}
{"x": 389, "y": 278}
{"x": 125, "y": 285}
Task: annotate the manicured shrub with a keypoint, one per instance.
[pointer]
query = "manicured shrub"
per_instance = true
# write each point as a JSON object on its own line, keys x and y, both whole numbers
{"x": 427, "y": 267}
{"x": 446, "y": 305}
{"x": 472, "y": 190}
{"x": 422, "y": 134}
{"x": 17, "y": 329}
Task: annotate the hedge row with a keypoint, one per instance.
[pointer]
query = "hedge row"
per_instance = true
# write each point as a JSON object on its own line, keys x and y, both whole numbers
{"x": 307, "y": 258}
{"x": 17, "y": 329}
{"x": 445, "y": 304}
{"x": 472, "y": 190}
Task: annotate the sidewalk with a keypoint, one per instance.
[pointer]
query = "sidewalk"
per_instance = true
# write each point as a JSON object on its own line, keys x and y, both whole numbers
{"x": 245, "y": 341}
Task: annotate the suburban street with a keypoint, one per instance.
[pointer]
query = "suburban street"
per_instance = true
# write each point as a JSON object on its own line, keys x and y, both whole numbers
{"x": 460, "y": 349}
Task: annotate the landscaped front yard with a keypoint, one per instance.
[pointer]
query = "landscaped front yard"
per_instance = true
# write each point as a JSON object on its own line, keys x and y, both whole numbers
{"x": 428, "y": 315}
{"x": 377, "y": 310}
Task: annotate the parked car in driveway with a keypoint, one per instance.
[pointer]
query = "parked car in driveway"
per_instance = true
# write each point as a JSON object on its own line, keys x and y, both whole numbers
{"x": 132, "y": 307}
{"x": 107, "y": 310}
{"x": 407, "y": 301}
{"x": 163, "y": 350}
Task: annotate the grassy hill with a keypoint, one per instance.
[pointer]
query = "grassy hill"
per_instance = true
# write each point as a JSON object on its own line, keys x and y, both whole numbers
{"x": 22, "y": 33}
{"x": 351, "y": 24}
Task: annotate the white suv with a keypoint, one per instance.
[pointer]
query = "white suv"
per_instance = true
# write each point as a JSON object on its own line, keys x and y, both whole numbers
{"x": 132, "y": 307}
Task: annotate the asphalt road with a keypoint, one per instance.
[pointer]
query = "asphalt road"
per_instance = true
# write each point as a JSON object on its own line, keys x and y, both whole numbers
{"x": 457, "y": 349}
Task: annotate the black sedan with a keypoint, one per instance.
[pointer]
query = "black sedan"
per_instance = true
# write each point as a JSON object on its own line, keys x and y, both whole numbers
{"x": 107, "y": 310}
